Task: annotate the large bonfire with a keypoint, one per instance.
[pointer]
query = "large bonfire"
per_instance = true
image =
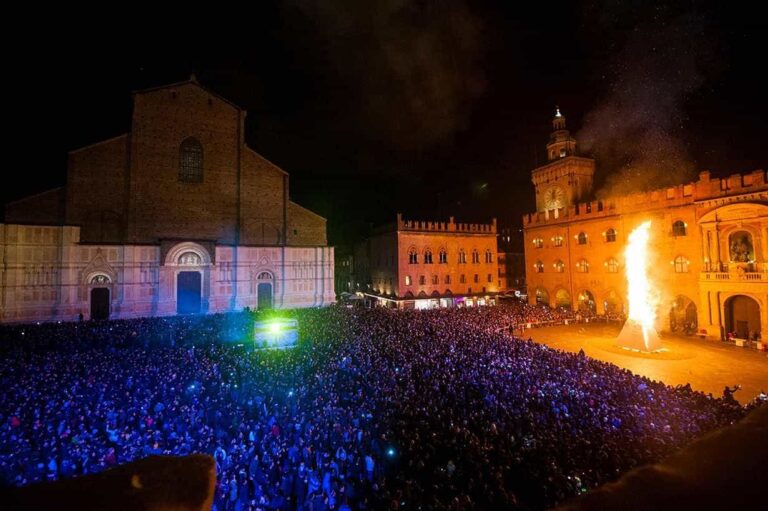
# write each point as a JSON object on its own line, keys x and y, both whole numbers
{"x": 639, "y": 331}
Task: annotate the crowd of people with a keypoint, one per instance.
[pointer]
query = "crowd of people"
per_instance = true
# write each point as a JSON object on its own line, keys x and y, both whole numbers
{"x": 374, "y": 409}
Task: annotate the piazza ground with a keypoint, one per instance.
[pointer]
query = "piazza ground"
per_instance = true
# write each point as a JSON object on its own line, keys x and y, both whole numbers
{"x": 707, "y": 365}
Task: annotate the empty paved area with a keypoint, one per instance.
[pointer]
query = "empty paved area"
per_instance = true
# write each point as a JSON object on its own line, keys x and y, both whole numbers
{"x": 707, "y": 365}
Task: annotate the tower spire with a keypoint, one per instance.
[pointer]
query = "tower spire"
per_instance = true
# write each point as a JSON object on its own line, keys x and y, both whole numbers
{"x": 561, "y": 143}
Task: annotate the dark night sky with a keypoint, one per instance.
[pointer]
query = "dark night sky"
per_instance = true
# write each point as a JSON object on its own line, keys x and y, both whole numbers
{"x": 426, "y": 107}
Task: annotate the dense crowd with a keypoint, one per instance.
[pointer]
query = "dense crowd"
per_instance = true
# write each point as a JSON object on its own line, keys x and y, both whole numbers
{"x": 374, "y": 409}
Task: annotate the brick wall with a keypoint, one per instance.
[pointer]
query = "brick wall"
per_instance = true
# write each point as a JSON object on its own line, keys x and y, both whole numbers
{"x": 42, "y": 208}
{"x": 95, "y": 196}
{"x": 162, "y": 206}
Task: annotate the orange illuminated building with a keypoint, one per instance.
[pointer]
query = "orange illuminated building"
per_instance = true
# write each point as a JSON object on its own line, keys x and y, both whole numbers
{"x": 416, "y": 264}
{"x": 709, "y": 241}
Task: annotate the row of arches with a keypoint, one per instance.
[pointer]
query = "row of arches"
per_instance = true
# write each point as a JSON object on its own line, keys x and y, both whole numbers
{"x": 741, "y": 312}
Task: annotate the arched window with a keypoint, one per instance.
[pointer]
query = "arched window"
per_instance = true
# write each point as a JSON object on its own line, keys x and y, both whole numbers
{"x": 538, "y": 267}
{"x": 679, "y": 228}
{"x": 462, "y": 256}
{"x": 612, "y": 265}
{"x": 557, "y": 241}
{"x": 610, "y": 235}
{"x": 475, "y": 257}
{"x": 681, "y": 264}
{"x": 443, "y": 256}
{"x": 428, "y": 256}
{"x": 582, "y": 266}
{"x": 538, "y": 242}
{"x": 413, "y": 257}
{"x": 488, "y": 256}
{"x": 190, "y": 259}
{"x": 191, "y": 161}
{"x": 581, "y": 238}
{"x": 559, "y": 266}
{"x": 100, "y": 279}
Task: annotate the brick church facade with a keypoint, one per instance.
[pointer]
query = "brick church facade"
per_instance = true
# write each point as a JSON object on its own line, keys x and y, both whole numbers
{"x": 709, "y": 241}
{"x": 176, "y": 216}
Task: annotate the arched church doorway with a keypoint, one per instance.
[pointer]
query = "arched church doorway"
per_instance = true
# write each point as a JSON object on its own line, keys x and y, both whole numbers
{"x": 99, "y": 303}
{"x": 682, "y": 315}
{"x": 188, "y": 292}
{"x": 742, "y": 316}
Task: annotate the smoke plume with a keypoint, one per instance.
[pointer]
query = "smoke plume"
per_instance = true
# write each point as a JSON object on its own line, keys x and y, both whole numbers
{"x": 637, "y": 132}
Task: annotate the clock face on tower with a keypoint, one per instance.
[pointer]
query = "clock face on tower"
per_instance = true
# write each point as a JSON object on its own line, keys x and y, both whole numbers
{"x": 554, "y": 198}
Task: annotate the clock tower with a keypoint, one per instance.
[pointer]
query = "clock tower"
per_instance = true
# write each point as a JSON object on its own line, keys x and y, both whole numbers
{"x": 567, "y": 178}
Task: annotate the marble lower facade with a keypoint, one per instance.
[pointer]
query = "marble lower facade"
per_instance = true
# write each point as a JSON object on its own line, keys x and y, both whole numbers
{"x": 46, "y": 274}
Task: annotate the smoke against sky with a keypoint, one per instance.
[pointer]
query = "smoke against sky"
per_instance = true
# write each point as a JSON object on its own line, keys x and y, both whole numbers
{"x": 637, "y": 131}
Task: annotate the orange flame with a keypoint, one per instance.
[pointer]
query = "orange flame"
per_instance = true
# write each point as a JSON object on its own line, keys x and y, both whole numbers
{"x": 642, "y": 309}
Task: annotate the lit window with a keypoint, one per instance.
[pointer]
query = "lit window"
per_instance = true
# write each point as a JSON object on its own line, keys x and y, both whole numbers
{"x": 582, "y": 266}
{"x": 538, "y": 242}
{"x": 443, "y": 256}
{"x": 191, "y": 161}
{"x": 610, "y": 235}
{"x": 557, "y": 241}
{"x": 407, "y": 280}
{"x": 413, "y": 257}
{"x": 581, "y": 238}
{"x": 681, "y": 264}
{"x": 559, "y": 266}
{"x": 612, "y": 265}
{"x": 427, "y": 256}
{"x": 538, "y": 267}
{"x": 679, "y": 228}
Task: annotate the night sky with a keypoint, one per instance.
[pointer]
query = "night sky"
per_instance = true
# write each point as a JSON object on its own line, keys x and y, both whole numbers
{"x": 425, "y": 107}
